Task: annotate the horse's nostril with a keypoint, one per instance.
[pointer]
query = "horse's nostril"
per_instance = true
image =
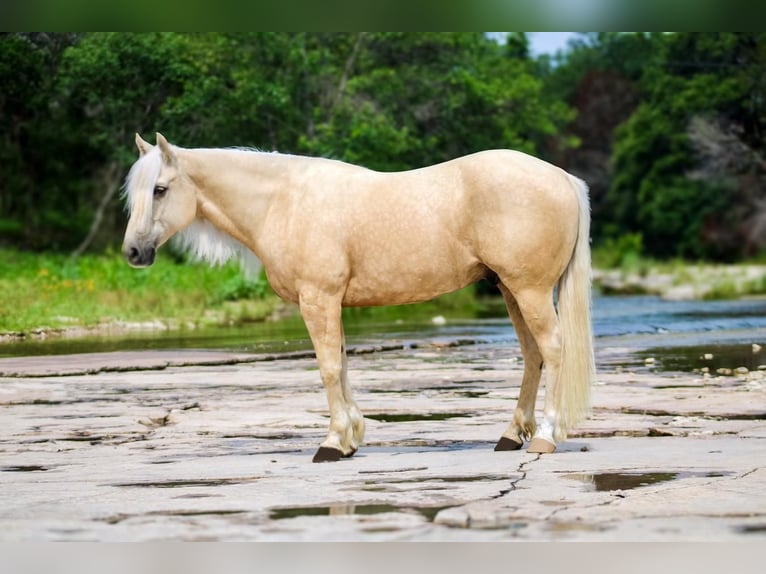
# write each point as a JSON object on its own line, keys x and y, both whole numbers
{"x": 133, "y": 253}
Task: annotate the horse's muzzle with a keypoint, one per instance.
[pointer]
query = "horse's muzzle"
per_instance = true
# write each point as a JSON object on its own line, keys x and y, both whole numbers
{"x": 138, "y": 257}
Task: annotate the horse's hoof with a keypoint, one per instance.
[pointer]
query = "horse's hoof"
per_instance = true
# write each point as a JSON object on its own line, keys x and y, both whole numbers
{"x": 327, "y": 454}
{"x": 541, "y": 446}
{"x": 506, "y": 443}
{"x": 350, "y": 454}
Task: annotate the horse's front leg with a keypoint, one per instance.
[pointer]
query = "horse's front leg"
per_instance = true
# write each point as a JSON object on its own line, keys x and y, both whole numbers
{"x": 357, "y": 420}
{"x": 322, "y": 315}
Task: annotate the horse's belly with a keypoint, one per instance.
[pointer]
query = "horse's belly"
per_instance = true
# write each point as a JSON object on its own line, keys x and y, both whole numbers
{"x": 367, "y": 290}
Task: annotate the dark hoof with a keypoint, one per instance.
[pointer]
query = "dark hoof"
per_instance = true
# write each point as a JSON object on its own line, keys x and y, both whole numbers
{"x": 325, "y": 454}
{"x": 506, "y": 443}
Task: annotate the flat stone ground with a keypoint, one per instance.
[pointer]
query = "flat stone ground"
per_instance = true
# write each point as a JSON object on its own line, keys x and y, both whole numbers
{"x": 186, "y": 445}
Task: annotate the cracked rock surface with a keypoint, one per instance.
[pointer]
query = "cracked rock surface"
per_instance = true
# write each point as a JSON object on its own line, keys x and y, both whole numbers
{"x": 216, "y": 446}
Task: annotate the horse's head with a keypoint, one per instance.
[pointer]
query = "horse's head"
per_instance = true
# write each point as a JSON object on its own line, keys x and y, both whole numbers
{"x": 161, "y": 199}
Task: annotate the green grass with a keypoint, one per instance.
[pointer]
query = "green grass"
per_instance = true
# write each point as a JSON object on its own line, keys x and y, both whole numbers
{"x": 48, "y": 291}
{"x": 730, "y": 289}
{"x": 52, "y": 291}
{"x": 44, "y": 291}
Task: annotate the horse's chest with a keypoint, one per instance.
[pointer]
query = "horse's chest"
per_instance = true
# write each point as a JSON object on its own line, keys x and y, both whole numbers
{"x": 283, "y": 285}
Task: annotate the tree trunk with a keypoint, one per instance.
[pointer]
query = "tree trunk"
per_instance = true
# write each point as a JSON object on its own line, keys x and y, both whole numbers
{"x": 111, "y": 182}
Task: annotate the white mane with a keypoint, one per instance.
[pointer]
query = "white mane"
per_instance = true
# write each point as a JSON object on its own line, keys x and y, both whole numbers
{"x": 205, "y": 242}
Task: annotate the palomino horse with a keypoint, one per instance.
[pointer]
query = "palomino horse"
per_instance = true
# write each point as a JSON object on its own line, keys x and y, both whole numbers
{"x": 332, "y": 234}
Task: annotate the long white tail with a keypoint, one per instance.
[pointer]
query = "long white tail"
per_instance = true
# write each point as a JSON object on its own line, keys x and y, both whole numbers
{"x": 578, "y": 365}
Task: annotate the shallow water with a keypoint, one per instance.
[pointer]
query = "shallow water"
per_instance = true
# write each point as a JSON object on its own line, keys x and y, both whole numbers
{"x": 725, "y": 328}
{"x": 427, "y": 512}
{"x": 608, "y": 481}
{"x": 711, "y": 357}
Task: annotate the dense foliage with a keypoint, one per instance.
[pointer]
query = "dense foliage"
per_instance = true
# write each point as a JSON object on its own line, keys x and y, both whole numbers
{"x": 666, "y": 128}
{"x": 672, "y": 140}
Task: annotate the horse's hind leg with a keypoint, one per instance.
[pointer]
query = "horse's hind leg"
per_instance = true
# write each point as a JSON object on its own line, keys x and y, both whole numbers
{"x": 536, "y": 306}
{"x": 322, "y": 316}
{"x": 523, "y": 424}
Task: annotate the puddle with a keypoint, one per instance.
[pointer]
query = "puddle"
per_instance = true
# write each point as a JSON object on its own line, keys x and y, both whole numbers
{"x": 427, "y": 512}
{"x": 428, "y": 483}
{"x": 23, "y": 468}
{"x": 752, "y": 529}
{"x": 744, "y": 417}
{"x": 473, "y": 478}
{"x": 711, "y": 357}
{"x": 563, "y": 527}
{"x": 469, "y": 392}
{"x": 188, "y": 483}
{"x": 608, "y": 481}
{"x": 276, "y": 436}
{"x": 409, "y": 417}
{"x": 121, "y": 517}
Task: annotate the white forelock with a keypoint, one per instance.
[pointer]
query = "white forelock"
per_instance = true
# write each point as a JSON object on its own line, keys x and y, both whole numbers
{"x": 139, "y": 185}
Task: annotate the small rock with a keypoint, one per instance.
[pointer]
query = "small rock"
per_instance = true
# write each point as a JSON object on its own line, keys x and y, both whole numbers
{"x": 705, "y": 370}
{"x": 707, "y": 356}
{"x": 439, "y": 320}
{"x": 756, "y": 348}
{"x": 649, "y": 361}
{"x": 742, "y": 370}
{"x": 724, "y": 371}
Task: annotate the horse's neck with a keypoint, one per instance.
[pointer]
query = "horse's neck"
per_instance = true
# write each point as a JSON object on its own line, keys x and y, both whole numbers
{"x": 236, "y": 188}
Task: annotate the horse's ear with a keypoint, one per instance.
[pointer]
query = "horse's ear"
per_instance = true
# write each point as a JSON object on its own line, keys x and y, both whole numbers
{"x": 168, "y": 155}
{"x": 142, "y": 145}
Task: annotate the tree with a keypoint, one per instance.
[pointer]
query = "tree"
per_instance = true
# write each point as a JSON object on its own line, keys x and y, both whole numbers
{"x": 416, "y": 99}
{"x": 28, "y": 64}
{"x": 600, "y": 77}
{"x": 663, "y": 185}
{"x": 111, "y": 86}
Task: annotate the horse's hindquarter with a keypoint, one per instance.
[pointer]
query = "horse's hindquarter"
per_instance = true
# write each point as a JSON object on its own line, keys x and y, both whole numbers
{"x": 526, "y": 216}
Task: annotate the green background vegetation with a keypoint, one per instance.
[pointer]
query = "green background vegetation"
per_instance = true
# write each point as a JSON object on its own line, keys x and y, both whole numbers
{"x": 666, "y": 128}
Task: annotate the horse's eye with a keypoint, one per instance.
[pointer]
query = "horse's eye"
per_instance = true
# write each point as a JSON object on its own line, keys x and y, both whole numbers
{"x": 159, "y": 190}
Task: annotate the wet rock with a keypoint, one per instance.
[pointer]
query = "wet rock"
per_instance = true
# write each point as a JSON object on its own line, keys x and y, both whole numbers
{"x": 222, "y": 451}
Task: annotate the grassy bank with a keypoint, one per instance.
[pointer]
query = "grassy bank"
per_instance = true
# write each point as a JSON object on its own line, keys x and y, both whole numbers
{"x": 50, "y": 291}
{"x": 682, "y": 280}
{"x": 47, "y": 292}
{"x": 622, "y": 269}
